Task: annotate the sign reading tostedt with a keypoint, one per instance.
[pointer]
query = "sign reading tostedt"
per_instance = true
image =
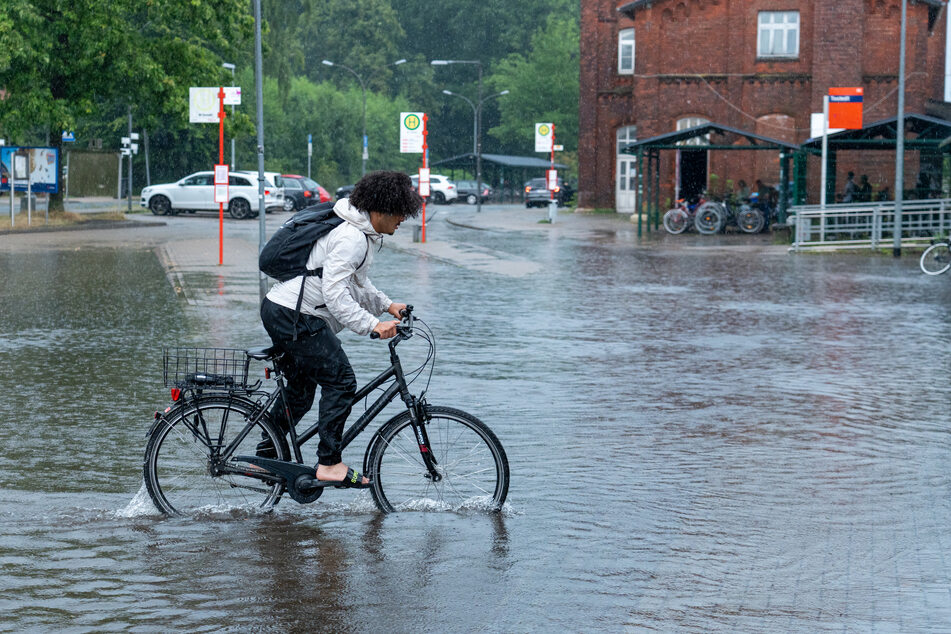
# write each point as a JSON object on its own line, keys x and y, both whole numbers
{"x": 543, "y": 137}
{"x": 411, "y": 132}
{"x": 845, "y": 108}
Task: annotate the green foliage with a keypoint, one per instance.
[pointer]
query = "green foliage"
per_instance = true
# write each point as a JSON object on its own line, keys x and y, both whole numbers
{"x": 543, "y": 86}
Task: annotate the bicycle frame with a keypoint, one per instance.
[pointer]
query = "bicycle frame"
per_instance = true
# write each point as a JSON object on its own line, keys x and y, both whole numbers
{"x": 415, "y": 406}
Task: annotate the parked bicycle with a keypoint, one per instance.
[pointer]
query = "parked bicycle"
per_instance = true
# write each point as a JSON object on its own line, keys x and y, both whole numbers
{"x": 714, "y": 216}
{"x": 681, "y": 217}
{"x": 937, "y": 258}
{"x": 201, "y": 450}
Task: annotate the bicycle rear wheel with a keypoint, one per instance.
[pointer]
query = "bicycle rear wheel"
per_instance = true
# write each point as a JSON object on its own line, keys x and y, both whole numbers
{"x": 750, "y": 219}
{"x": 470, "y": 460}
{"x": 184, "y": 472}
{"x": 936, "y": 259}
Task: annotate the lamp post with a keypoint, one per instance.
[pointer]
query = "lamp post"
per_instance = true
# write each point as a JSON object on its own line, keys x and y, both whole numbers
{"x": 476, "y": 140}
{"x": 228, "y": 66}
{"x": 363, "y": 88}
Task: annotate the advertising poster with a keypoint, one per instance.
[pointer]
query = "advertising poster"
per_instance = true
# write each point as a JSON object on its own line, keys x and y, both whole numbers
{"x": 43, "y": 168}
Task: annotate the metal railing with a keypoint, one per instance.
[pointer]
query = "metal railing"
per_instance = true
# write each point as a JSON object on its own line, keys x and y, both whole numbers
{"x": 868, "y": 225}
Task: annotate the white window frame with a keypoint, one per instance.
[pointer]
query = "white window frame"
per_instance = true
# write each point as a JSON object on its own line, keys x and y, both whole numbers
{"x": 685, "y": 123}
{"x": 777, "y": 34}
{"x": 625, "y": 52}
{"x": 625, "y": 136}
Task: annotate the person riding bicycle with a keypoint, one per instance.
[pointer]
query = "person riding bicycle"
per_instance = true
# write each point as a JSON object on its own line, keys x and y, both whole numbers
{"x": 342, "y": 297}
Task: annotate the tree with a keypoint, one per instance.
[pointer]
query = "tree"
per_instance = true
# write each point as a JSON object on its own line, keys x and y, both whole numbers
{"x": 543, "y": 86}
{"x": 64, "y": 61}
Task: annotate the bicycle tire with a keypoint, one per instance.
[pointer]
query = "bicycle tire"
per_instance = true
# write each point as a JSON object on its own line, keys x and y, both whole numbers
{"x": 936, "y": 259}
{"x": 709, "y": 218}
{"x": 675, "y": 221}
{"x": 750, "y": 219}
{"x": 178, "y": 461}
{"x": 470, "y": 459}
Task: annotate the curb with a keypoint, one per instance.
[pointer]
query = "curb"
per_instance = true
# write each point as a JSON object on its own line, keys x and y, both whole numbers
{"x": 83, "y": 226}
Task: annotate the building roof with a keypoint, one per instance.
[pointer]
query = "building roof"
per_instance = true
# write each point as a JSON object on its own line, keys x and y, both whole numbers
{"x": 629, "y": 8}
{"x": 927, "y": 131}
{"x": 670, "y": 140}
{"x": 505, "y": 160}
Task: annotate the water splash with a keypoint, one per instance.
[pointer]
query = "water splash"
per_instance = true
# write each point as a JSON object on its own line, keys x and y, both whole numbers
{"x": 140, "y": 505}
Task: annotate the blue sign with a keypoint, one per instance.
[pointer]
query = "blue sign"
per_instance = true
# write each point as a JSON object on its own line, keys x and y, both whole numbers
{"x": 69, "y": 137}
{"x": 42, "y": 164}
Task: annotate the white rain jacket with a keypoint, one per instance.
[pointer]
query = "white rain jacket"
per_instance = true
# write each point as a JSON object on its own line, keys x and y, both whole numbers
{"x": 344, "y": 296}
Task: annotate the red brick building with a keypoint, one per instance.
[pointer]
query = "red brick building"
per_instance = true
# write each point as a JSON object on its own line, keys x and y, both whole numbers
{"x": 650, "y": 67}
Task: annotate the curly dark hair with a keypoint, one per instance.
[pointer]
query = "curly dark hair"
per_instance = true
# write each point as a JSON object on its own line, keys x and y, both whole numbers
{"x": 389, "y": 193}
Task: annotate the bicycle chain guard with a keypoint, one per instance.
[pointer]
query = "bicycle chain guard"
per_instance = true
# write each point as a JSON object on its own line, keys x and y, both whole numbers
{"x": 296, "y": 477}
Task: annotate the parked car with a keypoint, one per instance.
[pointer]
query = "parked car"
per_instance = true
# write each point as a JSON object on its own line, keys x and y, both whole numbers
{"x": 468, "y": 191}
{"x": 300, "y": 192}
{"x": 344, "y": 191}
{"x": 196, "y": 192}
{"x": 441, "y": 189}
{"x": 537, "y": 194}
{"x": 273, "y": 188}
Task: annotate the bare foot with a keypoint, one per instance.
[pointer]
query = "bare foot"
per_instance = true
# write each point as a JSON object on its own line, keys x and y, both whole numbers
{"x": 334, "y": 473}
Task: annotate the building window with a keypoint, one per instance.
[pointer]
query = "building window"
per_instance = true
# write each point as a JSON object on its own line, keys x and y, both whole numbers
{"x": 692, "y": 122}
{"x": 778, "y": 34}
{"x": 626, "y": 135}
{"x": 625, "y": 52}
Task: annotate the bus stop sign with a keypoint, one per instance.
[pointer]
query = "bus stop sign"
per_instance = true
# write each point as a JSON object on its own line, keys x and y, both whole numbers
{"x": 845, "y": 108}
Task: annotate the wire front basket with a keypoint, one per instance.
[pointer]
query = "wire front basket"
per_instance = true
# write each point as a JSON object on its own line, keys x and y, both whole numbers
{"x": 222, "y": 368}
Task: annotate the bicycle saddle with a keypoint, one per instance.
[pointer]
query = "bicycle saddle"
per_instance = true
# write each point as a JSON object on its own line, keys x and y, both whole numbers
{"x": 264, "y": 353}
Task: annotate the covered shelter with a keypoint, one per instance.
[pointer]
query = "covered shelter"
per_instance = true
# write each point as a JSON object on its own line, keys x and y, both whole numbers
{"x": 715, "y": 136}
{"x": 922, "y": 133}
{"x": 505, "y": 172}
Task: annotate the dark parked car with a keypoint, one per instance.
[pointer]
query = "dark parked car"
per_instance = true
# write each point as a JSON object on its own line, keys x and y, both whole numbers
{"x": 344, "y": 192}
{"x": 537, "y": 194}
{"x": 469, "y": 192}
{"x": 300, "y": 192}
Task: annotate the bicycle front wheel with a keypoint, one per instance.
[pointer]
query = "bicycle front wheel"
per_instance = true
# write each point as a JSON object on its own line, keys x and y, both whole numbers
{"x": 709, "y": 218}
{"x": 936, "y": 259}
{"x": 675, "y": 221}
{"x": 185, "y": 470}
{"x": 472, "y": 469}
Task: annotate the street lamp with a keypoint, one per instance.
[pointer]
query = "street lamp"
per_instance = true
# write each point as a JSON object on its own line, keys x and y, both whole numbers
{"x": 478, "y": 116}
{"x": 229, "y": 66}
{"x": 363, "y": 87}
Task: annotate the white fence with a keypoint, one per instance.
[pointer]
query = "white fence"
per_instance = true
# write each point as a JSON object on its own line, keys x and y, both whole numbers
{"x": 868, "y": 225}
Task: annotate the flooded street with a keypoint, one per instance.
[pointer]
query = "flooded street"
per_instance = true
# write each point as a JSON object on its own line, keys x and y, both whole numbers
{"x": 702, "y": 436}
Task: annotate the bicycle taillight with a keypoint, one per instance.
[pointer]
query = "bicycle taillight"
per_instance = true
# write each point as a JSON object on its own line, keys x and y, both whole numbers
{"x": 176, "y": 393}
{"x": 267, "y": 373}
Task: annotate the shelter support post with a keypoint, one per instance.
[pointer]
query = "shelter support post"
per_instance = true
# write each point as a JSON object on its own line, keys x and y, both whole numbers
{"x": 830, "y": 183}
{"x": 657, "y": 190}
{"x": 799, "y": 177}
{"x": 648, "y": 189}
{"x": 783, "y": 187}
{"x": 638, "y": 207}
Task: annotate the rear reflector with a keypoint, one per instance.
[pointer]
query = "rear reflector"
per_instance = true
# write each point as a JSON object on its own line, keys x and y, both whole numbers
{"x": 176, "y": 393}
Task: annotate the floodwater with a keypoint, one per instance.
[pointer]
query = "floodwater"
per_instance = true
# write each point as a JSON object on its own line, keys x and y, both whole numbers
{"x": 701, "y": 438}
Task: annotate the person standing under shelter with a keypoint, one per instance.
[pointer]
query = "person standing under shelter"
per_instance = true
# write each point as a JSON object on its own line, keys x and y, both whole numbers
{"x": 864, "y": 192}
{"x": 850, "y": 189}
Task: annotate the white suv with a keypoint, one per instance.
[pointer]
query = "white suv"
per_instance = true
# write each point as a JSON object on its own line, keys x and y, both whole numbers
{"x": 196, "y": 192}
{"x": 441, "y": 189}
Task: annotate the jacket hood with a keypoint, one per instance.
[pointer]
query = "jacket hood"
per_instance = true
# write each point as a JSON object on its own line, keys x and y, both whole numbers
{"x": 354, "y": 216}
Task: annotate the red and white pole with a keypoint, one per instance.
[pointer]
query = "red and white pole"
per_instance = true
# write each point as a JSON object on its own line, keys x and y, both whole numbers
{"x": 425, "y": 165}
{"x": 221, "y": 159}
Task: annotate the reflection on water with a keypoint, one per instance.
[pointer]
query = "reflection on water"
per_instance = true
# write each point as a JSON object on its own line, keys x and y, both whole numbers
{"x": 699, "y": 440}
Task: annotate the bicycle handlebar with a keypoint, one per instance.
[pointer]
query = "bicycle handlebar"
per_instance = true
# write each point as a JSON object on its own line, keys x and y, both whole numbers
{"x": 407, "y": 315}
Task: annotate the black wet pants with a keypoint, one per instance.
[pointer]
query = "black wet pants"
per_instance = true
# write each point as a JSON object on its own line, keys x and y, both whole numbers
{"x": 316, "y": 359}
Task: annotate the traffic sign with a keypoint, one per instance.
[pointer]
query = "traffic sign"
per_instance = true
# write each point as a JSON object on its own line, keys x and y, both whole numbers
{"x": 411, "y": 132}
{"x": 543, "y": 137}
{"x": 845, "y": 108}
{"x": 69, "y": 137}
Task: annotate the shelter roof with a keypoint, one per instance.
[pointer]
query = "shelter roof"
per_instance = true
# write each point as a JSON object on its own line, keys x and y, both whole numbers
{"x": 672, "y": 140}
{"x": 505, "y": 160}
{"x": 925, "y": 131}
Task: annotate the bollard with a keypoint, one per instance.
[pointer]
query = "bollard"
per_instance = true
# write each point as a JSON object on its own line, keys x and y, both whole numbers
{"x": 417, "y": 233}
{"x": 552, "y": 210}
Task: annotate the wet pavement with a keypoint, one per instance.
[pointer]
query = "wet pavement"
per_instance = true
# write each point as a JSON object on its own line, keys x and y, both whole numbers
{"x": 705, "y": 434}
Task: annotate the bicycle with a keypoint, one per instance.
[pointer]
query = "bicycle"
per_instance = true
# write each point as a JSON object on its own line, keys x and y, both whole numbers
{"x": 681, "y": 217}
{"x": 937, "y": 258}
{"x": 201, "y": 450}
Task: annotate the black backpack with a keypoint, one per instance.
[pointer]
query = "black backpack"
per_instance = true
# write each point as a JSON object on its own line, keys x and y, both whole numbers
{"x": 285, "y": 255}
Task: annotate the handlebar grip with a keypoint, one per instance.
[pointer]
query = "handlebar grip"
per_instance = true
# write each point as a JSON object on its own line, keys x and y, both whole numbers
{"x": 374, "y": 335}
{"x": 406, "y": 311}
